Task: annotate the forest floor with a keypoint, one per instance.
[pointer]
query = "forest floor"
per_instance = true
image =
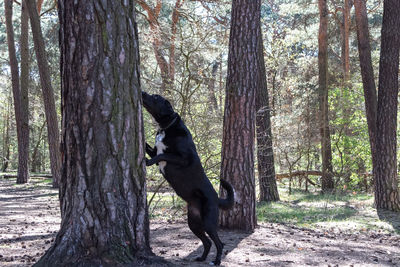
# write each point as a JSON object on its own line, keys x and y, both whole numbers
{"x": 29, "y": 221}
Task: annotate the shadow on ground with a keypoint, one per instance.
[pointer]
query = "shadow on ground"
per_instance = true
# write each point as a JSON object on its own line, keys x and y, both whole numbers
{"x": 174, "y": 241}
{"x": 30, "y": 220}
{"x": 391, "y": 217}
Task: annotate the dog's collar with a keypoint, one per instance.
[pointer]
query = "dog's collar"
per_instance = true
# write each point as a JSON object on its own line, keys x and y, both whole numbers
{"x": 169, "y": 125}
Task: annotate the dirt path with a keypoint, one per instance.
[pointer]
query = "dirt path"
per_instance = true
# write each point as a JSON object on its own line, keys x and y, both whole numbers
{"x": 29, "y": 221}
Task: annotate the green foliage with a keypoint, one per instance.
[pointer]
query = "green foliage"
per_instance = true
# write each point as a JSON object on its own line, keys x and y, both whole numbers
{"x": 290, "y": 35}
{"x": 349, "y": 134}
{"x": 166, "y": 206}
{"x": 291, "y": 42}
{"x": 200, "y": 63}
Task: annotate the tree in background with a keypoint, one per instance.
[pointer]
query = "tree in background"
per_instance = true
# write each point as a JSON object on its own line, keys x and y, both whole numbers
{"x": 265, "y": 152}
{"x": 200, "y": 69}
{"x": 20, "y": 90}
{"x": 6, "y": 138}
{"x": 326, "y": 150}
{"x": 346, "y": 41}
{"x": 367, "y": 73}
{"x": 25, "y": 68}
{"x": 243, "y": 79}
{"x": 163, "y": 41}
{"x": 102, "y": 189}
{"x": 53, "y": 132}
{"x": 386, "y": 184}
{"x": 290, "y": 30}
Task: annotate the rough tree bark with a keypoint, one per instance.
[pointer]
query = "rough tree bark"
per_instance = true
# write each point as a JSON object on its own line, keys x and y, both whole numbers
{"x": 47, "y": 92}
{"x": 102, "y": 190}
{"x": 326, "y": 150}
{"x": 367, "y": 73}
{"x": 265, "y": 153}
{"x": 386, "y": 184}
{"x": 19, "y": 114}
{"x": 24, "y": 46}
{"x": 239, "y": 120}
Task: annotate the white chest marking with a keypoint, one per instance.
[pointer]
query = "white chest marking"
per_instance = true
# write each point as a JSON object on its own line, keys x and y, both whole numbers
{"x": 161, "y": 147}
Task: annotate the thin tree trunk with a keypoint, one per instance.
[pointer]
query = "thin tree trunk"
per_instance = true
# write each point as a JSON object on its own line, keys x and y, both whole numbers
{"x": 22, "y": 162}
{"x": 167, "y": 66}
{"x": 367, "y": 73}
{"x": 386, "y": 184}
{"x": 239, "y": 120}
{"x": 265, "y": 152}
{"x": 35, "y": 160}
{"x": 346, "y": 82}
{"x": 39, "y": 5}
{"x": 6, "y": 140}
{"x": 23, "y": 166}
{"x": 174, "y": 22}
{"x": 326, "y": 151}
{"x": 47, "y": 92}
{"x": 346, "y": 42}
{"x": 220, "y": 83}
{"x": 212, "y": 100}
{"x": 102, "y": 190}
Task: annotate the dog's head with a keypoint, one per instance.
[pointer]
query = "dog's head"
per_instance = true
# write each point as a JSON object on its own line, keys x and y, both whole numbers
{"x": 157, "y": 106}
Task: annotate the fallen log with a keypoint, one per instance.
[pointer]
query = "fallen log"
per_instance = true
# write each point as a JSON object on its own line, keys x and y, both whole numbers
{"x": 44, "y": 175}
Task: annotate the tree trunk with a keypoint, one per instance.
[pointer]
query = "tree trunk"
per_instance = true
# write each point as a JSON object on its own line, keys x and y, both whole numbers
{"x": 265, "y": 153}
{"x": 166, "y": 64}
{"x": 346, "y": 43}
{"x": 6, "y": 140}
{"x": 39, "y": 5}
{"x": 239, "y": 120}
{"x": 22, "y": 157}
{"x": 367, "y": 73}
{"x": 212, "y": 100}
{"x": 326, "y": 151}
{"x": 347, "y": 85}
{"x": 102, "y": 190}
{"x": 35, "y": 159}
{"x": 23, "y": 166}
{"x": 174, "y": 22}
{"x": 386, "y": 184}
{"x": 47, "y": 92}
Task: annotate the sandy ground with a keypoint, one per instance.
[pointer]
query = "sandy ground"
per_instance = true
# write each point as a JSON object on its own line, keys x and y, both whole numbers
{"x": 29, "y": 221}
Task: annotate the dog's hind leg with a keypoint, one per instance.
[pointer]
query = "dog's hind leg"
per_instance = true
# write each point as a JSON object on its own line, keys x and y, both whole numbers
{"x": 196, "y": 225}
{"x": 211, "y": 226}
{"x": 220, "y": 246}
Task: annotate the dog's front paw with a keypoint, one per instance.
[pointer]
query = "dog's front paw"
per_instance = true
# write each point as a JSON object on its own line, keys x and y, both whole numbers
{"x": 148, "y": 147}
{"x": 150, "y": 150}
{"x": 148, "y": 163}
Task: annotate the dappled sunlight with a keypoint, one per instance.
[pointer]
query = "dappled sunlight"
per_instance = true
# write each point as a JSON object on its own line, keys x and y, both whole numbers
{"x": 346, "y": 212}
{"x": 30, "y": 220}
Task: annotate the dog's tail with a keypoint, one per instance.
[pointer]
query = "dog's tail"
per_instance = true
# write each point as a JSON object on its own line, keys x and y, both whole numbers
{"x": 228, "y": 202}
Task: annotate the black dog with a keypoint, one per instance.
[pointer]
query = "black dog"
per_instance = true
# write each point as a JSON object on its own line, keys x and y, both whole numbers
{"x": 177, "y": 158}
